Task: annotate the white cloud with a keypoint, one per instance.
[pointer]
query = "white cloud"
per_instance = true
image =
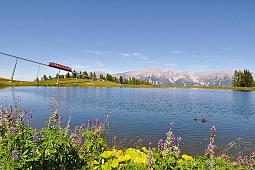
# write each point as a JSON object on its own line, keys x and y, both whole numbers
{"x": 198, "y": 67}
{"x": 207, "y": 56}
{"x": 141, "y": 56}
{"x": 138, "y": 55}
{"x": 177, "y": 52}
{"x": 96, "y": 52}
{"x": 125, "y": 55}
{"x": 99, "y": 64}
{"x": 169, "y": 64}
{"x": 80, "y": 66}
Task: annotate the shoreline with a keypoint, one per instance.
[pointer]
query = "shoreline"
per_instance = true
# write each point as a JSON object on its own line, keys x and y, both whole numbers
{"x": 105, "y": 84}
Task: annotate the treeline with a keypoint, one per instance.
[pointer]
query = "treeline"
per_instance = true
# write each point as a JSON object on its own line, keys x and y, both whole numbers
{"x": 93, "y": 76}
{"x": 242, "y": 79}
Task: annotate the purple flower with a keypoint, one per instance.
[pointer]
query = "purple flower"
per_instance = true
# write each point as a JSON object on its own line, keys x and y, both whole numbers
{"x": 243, "y": 160}
{"x": 10, "y": 106}
{"x": 160, "y": 145}
{"x": 25, "y": 112}
{"x": 59, "y": 117}
{"x": 78, "y": 139}
{"x": 115, "y": 139}
{"x": 105, "y": 120}
{"x": 210, "y": 149}
{"x": 12, "y": 130}
{"x": 51, "y": 107}
{"x": 172, "y": 124}
{"x": 30, "y": 116}
{"x": 173, "y": 139}
{"x": 213, "y": 129}
{"x": 96, "y": 121}
{"x": 1, "y": 122}
{"x": 101, "y": 128}
{"x": 16, "y": 155}
{"x": 178, "y": 139}
{"x": 77, "y": 128}
{"x": 35, "y": 138}
{"x": 89, "y": 123}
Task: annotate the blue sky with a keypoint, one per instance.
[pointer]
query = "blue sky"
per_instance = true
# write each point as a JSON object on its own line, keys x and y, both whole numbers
{"x": 117, "y": 36}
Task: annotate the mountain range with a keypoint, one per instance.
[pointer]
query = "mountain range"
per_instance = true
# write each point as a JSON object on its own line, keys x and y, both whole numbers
{"x": 182, "y": 78}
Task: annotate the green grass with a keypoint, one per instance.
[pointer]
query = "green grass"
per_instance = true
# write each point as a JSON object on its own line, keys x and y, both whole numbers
{"x": 72, "y": 82}
{"x": 6, "y": 83}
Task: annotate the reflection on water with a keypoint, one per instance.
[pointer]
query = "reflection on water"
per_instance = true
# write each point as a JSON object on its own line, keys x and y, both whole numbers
{"x": 147, "y": 113}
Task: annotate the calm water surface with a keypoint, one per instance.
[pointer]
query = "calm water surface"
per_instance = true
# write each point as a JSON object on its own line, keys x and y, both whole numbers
{"x": 147, "y": 113}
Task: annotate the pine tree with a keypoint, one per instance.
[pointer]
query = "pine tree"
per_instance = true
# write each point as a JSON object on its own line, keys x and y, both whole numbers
{"x": 67, "y": 75}
{"x": 85, "y": 75}
{"x": 74, "y": 74}
{"x": 242, "y": 79}
{"x": 121, "y": 80}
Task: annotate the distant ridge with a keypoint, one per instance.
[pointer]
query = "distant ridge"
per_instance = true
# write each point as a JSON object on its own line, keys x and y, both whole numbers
{"x": 182, "y": 78}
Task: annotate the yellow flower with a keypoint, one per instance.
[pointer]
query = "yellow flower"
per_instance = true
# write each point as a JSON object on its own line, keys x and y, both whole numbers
{"x": 187, "y": 157}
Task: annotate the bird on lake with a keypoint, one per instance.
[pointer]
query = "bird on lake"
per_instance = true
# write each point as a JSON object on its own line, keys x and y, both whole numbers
{"x": 195, "y": 119}
{"x": 203, "y": 120}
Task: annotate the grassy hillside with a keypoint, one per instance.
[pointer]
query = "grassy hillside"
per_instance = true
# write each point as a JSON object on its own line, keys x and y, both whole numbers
{"x": 6, "y": 83}
{"x": 72, "y": 82}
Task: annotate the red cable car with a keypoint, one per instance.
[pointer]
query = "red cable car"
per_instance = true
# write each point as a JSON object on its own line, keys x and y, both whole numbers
{"x": 59, "y": 66}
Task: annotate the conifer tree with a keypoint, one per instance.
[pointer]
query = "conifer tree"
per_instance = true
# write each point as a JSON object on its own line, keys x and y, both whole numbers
{"x": 242, "y": 79}
{"x": 121, "y": 80}
{"x": 67, "y": 75}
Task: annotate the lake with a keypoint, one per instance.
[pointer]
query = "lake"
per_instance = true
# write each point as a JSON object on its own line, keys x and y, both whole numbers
{"x": 146, "y": 113}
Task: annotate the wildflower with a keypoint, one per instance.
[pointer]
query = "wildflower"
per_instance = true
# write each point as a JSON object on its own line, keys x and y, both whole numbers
{"x": 173, "y": 139}
{"x": 35, "y": 138}
{"x": 213, "y": 129}
{"x": 96, "y": 121}
{"x": 59, "y": 117}
{"x": 24, "y": 112}
{"x": 89, "y": 123}
{"x": 77, "y": 128}
{"x": 30, "y": 116}
{"x": 12, "y": 130}
{"x": 1, "y": 121}
{"x": 210, "y": 149}
{"x": 105, "y": 120}
{"x": 178, "y": 139}
{"x": 101, "y": 128}
{"x": 187, "y": 157}
{"x": 10, "y": 107}
{"x": 51, "y": 107}
{"x": 172, "y": 124}
{"x": 16, "y": 155}
{"x": 243, "y": 161}
{"x": 160, "y": 145}
{"x": 78, "y": 139}
{"x": 169, "y": 146}
{"x": 115, "y": 139}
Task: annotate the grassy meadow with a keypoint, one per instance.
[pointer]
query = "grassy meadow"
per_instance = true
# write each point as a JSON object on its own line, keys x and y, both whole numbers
{"x": 72, "y": 82}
